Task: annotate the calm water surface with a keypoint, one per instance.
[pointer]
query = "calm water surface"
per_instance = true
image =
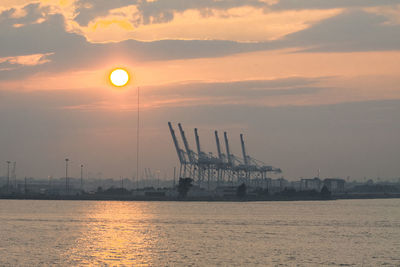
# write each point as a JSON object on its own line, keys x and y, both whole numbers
{"x": 331, "y": 233}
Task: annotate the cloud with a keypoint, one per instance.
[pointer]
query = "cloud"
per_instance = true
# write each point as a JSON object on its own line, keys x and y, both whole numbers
{"x": 246, "y": 88}
{"x": 45, "y": 37}
{"x": 244, "y": 24}
{"x": 25, "y": 15}
{"x": 347, "y": 32}
{"x": 72, "y": 51}
{"x": 190, "y": 93}
{"x": 392, "y": 13}
{"x": 249, "y": 92}
{"x": 323, "y": 4}
{"x": 196, "y": 93}
{"x": 158, "y": 11}
{"x": 29, "y": 60}
{"x": 290, "y": 91}
{"x": 47, "y": 32}
{"x": 116, "y": 21}
{"x": 87, "y": 10}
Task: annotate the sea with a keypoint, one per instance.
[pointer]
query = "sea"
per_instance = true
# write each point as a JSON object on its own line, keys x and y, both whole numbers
{"x": 118, "y": 233}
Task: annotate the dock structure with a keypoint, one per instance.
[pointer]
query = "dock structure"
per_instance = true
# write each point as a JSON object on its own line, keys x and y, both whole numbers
{"x": 206, "y": 169}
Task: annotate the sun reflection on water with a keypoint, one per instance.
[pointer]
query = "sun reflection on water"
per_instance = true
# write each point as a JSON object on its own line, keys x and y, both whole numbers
{"x": 115, "y": 233}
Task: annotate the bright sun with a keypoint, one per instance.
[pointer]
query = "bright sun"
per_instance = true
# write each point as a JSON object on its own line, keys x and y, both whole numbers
{"x": 119, "y": 77}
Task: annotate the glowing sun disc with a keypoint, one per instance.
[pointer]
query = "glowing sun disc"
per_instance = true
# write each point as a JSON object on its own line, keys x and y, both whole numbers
{"x": 119, "y": 77}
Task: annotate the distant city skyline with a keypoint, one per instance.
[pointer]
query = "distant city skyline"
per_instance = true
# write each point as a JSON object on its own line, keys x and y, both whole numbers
{"x": 311, "y": 84}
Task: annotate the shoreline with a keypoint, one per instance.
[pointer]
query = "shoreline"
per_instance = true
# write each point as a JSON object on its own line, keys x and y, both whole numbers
{"x": 198, "y": 199}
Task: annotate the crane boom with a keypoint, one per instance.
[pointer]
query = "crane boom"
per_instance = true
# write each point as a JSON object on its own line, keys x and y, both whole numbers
{"x": 185, "y": 142}
{"x": 218, "y": 145}
{"x": 197, "y": 141}
{"x": 243, "y": 150}
{"x": 228, "y": 153}
{"x": 178, "y": 150}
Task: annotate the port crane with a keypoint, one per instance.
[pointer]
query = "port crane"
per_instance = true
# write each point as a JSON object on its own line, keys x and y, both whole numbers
{"x": 190, "y": 153}
{"x": 180, "y": 152}
{"x": 246, "y": 169}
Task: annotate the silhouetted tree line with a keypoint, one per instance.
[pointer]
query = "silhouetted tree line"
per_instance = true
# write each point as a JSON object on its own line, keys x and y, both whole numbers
{"x": 306, "y": 194}
{"x": 184, "y": 186}
{"x": 375, "y": 188}
{"x": 241, "y": 191}
{"x": 287, "y": 193}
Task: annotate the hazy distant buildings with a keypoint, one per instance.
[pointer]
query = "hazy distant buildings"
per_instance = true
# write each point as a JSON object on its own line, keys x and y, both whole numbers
{"x": 311, "y": 184}
{"x": 335, "y": 185}
{"x": 149, "y": 188}
{"x": 278, "y": 185}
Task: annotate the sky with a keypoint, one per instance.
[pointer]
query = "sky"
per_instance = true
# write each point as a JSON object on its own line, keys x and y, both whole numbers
{"x": 312, "y": 84}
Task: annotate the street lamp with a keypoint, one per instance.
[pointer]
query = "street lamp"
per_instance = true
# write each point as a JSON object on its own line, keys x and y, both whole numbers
{"x": 66, "y": 175}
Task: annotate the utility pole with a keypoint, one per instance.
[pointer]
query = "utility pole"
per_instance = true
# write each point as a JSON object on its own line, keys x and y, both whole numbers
{"x": 8, "y": 175}
{"x": 158, "y": 180}
{"x": 66, "y": 175}
{"x": 15, "y": 174}
{"x": 81, "y": 177}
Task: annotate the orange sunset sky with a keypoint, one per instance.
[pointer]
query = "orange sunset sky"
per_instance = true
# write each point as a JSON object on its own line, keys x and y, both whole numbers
{"x": 313, "y": 84}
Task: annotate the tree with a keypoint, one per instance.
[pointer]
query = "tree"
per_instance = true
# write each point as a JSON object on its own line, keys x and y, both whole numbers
{"x": 241, "y": 190}
{"x": 184, "y": 186}
{"x": 325, "y": 193}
